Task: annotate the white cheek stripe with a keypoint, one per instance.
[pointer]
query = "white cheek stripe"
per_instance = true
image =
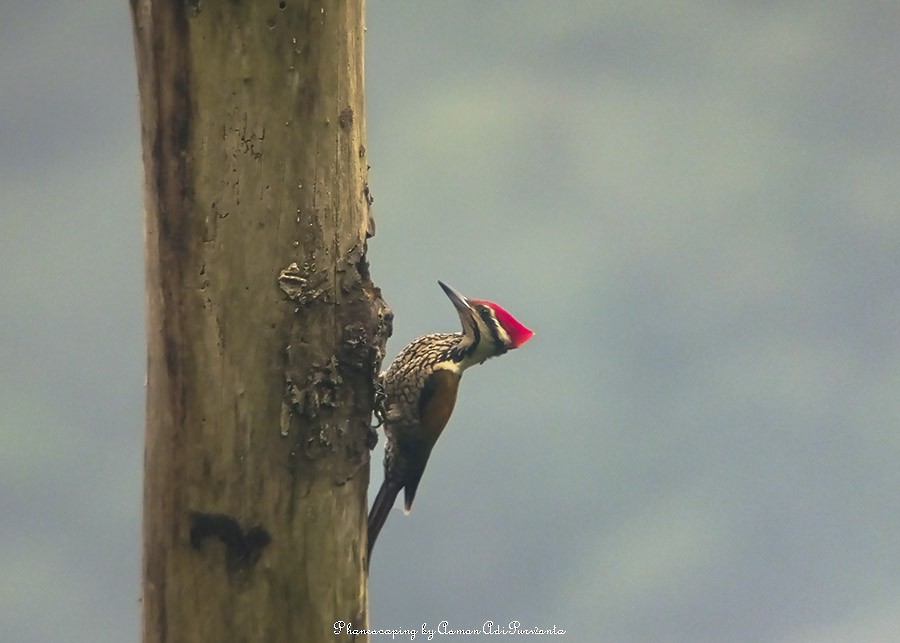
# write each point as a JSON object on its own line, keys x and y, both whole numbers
{"x": 501, "y": 332}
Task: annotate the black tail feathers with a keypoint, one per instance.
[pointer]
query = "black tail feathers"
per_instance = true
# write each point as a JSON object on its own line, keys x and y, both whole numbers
{"x": 381, "y": 509}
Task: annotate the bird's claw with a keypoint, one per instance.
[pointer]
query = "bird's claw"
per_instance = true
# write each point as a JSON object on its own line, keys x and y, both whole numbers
{"x": 379, "y": 410}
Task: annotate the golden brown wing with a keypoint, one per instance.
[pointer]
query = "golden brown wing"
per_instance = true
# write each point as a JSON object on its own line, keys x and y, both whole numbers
{"x": 435, "y": 407}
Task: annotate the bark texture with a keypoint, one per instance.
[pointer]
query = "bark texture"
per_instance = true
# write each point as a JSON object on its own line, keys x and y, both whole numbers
{"x": 264, "y": 328}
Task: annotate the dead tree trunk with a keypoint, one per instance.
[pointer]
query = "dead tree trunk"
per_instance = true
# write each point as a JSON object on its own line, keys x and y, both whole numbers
{"x": 264, "y": 328}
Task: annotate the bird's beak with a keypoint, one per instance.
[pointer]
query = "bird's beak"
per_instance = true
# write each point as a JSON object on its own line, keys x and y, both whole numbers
{"x": 461, "y": 303}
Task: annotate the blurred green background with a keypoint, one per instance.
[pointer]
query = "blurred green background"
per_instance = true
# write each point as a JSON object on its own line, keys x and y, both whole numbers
{"x": 693, "y": 204}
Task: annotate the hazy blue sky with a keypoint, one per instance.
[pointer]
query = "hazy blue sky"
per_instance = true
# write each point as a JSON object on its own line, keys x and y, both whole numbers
{"x": 696, "y": 205}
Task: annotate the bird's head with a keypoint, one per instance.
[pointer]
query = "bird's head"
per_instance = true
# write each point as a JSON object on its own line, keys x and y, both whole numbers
{"x": 488, "y": 329}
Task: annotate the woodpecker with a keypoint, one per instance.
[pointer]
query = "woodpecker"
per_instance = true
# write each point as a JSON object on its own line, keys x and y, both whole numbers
{"x": 419, "y": 389}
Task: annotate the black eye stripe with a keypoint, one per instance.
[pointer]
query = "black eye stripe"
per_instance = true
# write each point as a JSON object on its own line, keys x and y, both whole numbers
{"x": 493, "y": 326}
{"x": 476, "y": 336}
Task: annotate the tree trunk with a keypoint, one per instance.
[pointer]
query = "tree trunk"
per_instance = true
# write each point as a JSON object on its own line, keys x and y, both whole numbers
{"x": 264, "y": 328}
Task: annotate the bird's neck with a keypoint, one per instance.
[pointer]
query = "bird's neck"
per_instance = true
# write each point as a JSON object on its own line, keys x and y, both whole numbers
{"x": 470, "y": 350}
